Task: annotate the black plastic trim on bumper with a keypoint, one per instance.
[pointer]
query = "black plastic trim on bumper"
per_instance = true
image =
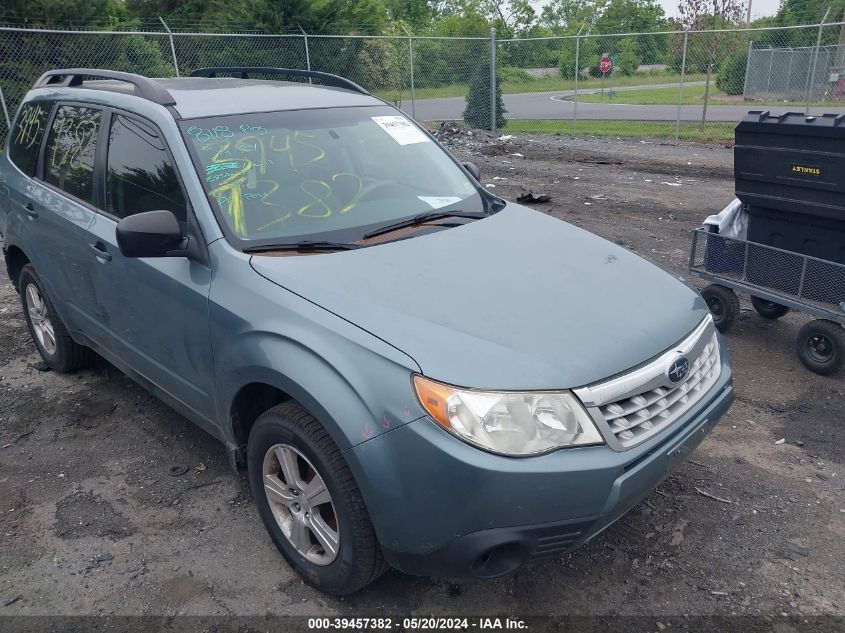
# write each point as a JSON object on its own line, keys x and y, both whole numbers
{"x": 494, "y": 552}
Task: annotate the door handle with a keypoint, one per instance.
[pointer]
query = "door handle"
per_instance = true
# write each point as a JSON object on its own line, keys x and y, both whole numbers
{"x": 30, "y": 210}
{"x": 99, "y": 252}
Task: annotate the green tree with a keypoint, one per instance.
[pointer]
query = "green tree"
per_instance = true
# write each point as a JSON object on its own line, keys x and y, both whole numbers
{"x": 638, "y": 16}
{"x": 568, "y": 16}
{"x": 731, "y": 77}
{"x": 509, "y": 17}
{"x": 631, "y": 16}
{"x": 61, "y": 13}
{"x": 477, "y": 111}
{"x": 587, "y": 56}
{"x": 628, "y": 58}
{"x": 710, "y": 14}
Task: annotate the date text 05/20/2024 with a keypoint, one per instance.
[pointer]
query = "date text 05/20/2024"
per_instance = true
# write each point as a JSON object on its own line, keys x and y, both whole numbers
{"x": 416, "y": 623}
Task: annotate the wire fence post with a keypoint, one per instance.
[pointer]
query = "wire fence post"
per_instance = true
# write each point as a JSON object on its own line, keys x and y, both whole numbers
{"x": 815, "y": 63}
{"x": 5, "y": 112}
{"x": 577, "y": 72}
{"x": 172, "y": 45}
{"x": 789, "y": 73}
{"x": 769, "y": 75}
{"x": 492, "y": 80}
{"x": 681, "y": 88}
{"x": 748, "y": 68}
{"x": 307, "y": 52}
{"x": 411, "y": 62}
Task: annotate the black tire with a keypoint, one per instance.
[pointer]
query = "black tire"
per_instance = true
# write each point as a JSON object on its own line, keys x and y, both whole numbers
{"x": 821, "y": 346}
{"x": 68, "y": 355}
{"x": 359, "y": 560}
{"x": 723, "y": 304}
{"x": 769, "y": 309}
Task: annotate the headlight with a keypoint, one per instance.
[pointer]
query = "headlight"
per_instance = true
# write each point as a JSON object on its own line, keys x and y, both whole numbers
{"x": 510, "y": 423}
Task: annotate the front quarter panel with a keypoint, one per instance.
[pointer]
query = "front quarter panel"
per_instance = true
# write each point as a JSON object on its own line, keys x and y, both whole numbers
{"x": 354, "y": 384}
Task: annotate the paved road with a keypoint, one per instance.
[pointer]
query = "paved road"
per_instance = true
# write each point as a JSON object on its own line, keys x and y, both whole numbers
{"x": 558, "y": 105}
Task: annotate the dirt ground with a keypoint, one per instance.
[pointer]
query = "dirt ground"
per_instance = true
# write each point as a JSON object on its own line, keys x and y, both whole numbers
{"x": 92, "y": 521}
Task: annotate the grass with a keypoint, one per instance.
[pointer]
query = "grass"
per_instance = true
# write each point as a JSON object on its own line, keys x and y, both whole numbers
{"x": 689, "y": 131}
{"x": 655, "y": 96}
{"x": 540, "y": 84}
{"x": 693, "y": 95}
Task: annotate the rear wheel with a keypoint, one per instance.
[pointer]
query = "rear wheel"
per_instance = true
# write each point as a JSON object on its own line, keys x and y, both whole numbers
{"x": 309, "y": 502}
{"x": 769, "y": 309}
{"x": 723, "y": 304}
{"x": 58, "y": 350}
{"x": 821, "y": 346}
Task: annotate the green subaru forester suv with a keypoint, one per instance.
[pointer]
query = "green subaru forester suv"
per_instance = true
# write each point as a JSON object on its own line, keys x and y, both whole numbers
{"x": 414, "y": 372}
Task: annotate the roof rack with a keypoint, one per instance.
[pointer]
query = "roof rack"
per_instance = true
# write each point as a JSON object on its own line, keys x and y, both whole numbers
{"x": 243, "y": 72}
{"x": 144, "y": 87}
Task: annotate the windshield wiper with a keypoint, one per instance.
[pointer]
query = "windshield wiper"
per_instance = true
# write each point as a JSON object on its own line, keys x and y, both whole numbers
{"x": 303, "y": 245}
{"x": 425, "y": 217}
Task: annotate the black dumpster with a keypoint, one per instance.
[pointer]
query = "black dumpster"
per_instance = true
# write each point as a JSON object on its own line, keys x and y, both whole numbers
{"x": 790, "y": 174}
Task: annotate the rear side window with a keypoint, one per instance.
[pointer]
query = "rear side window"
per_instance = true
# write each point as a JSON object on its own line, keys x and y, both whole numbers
{"x": 141, "y": 176}
{"x": 71, "y": 148}
{"x": 26, "y": 137}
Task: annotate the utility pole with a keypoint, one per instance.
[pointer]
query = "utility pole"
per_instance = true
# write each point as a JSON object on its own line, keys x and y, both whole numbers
{"x": 748, "y": 15}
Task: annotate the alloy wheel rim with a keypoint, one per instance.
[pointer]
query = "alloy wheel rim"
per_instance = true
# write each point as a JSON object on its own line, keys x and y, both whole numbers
{"x": 39, "y": 316}
{"x": 301, "y": 504}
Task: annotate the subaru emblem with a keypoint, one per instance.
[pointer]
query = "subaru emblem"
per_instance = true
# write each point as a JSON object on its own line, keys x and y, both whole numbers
{"x": 678, "y": 370}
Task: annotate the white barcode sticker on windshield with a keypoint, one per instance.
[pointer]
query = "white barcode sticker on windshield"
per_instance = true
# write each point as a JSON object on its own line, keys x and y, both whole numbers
{"x": 438, "y": 202}
{"x": 401, "y": 129}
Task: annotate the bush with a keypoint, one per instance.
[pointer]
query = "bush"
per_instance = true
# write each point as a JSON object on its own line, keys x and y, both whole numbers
{"x": 586, "y": 56}
{"x": 731, "y": 77}
{"x": 511, "y": 73}
{"x": 628, "y": 60}
{"x": 477, "y": 111}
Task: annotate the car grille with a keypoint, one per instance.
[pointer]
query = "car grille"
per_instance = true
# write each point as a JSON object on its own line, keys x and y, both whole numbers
{"x": 633, "y": 407}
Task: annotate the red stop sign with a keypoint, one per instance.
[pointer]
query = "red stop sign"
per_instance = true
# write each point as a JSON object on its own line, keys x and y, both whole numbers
{"x": 606, "y": 65}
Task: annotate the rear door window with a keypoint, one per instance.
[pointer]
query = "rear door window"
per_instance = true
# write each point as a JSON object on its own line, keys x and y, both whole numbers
{"x": 26, "y": 136}
{"x": 140, "y": 175}
{"x": 71, "y": 148}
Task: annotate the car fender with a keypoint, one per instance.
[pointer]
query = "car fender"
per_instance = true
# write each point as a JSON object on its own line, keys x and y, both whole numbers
{"x": 354, "y": 404}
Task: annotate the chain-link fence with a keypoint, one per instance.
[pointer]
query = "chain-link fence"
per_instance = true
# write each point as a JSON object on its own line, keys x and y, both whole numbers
{"x": 790, "y": 74}
{"x": 675, "y": 85}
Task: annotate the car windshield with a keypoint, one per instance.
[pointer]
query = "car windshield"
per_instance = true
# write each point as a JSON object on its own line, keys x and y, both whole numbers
{"x": 327, "y": 174}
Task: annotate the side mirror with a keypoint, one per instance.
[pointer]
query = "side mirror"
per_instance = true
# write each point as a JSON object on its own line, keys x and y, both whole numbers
{"x": 473, "y": 169}
{"x": 151, "y": 234}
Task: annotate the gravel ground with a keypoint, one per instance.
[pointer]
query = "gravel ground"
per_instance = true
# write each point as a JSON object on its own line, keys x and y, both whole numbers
{"x": 92, "y": 521}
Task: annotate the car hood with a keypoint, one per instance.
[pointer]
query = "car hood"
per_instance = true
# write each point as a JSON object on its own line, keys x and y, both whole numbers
{"x": 519, "y": 300}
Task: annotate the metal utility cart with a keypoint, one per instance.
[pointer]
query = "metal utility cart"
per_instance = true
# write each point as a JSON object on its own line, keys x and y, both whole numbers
{"x": 777, "y": 280}
{"x": 789, "y": 172}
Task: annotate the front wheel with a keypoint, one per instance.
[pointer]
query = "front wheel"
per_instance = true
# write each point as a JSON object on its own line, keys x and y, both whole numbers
{"x": 723, "y": 304}
{"x": 309, "y": 502}
{"x": 821, "y": 346}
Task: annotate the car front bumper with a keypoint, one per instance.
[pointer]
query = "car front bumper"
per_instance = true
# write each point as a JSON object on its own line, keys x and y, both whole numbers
{"x": 441, "y": 507}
